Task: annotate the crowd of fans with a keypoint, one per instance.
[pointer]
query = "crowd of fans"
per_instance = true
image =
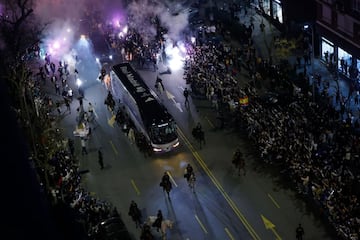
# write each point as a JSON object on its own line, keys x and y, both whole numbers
{"x": 316, "y": 151}
{"x": 77, "y": 211}
{"x": 62, "y": 174}
{"x": 135, "y": 46}
{"x": 66, "y": 191}
{"x": 312, "y": 143}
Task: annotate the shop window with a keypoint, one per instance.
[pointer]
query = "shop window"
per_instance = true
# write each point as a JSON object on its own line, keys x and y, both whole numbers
{"x": 327, "y": 51}
{"x": 277, "y": 11}
{"x": 344, "y": 61}
{"x": 266, "y": 6}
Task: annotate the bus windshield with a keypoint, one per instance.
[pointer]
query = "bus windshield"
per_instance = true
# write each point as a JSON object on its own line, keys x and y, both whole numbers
{"x": 163, "y": 133}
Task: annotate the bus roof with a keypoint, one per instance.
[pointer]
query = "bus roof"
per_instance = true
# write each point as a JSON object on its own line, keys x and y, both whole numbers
{"x": 151, "y": 110}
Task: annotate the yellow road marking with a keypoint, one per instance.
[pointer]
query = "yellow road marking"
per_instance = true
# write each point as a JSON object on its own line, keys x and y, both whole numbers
{"x": 210, "y": 123}
{"x": 229, "y": 234}
{"x": 171, "y": 178}
{"x": 201, "y": 224}
{"x": 113, "y": 147}
{"x": 135, "y": 187}
{"x": 111, "y": 121}
{"x": 273, "y": 200}
{"x": 239, "y": 214}
{"x": 269, "y": 225}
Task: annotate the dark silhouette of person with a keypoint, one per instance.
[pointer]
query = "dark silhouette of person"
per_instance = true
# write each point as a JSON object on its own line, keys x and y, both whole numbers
{"x": 146, "y": 233}
{"x": 159, "y": 82}
{"x": 158, "y": 221}
{"x": 186, "y": 95}
{"x": 71, "y": 146}
{"x": 109, "y": 101}
{"x": 165, "y": 179}
{"x": 188, "y": 171}
{"x": 166, "y": 184}
{"x": 299, "y": 232}
{"x": 199, "y": 134}
{"x": 100, "y": 159}
{"x": 135, "y": 213}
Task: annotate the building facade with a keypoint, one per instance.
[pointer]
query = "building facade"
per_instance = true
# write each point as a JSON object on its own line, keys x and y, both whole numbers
{"x": 288, "y": 16}
{"x": 338, "y": 29}
{"x": 334, "y": 26}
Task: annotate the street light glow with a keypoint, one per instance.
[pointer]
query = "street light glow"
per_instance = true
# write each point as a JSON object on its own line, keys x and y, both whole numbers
{"x": 56, "y": 45}
{"x": 78, "y": 82}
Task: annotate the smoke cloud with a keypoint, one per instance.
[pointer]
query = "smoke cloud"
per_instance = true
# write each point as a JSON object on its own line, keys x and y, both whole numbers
{"x": 66, "y": 21}
{"x": 141, "y": 12}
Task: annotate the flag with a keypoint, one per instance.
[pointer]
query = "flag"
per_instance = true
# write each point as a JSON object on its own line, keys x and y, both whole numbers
{"x": 244, "y": 101}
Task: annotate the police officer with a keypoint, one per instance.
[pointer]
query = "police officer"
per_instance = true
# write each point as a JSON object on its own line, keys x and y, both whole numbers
{"x": 188, "y": 171}
{"x": 135, "y": 213}
{"x": 158, "y": 221}
{"x": 186, "y": 95}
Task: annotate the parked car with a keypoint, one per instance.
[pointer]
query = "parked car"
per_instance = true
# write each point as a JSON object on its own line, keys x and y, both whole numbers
{"x": 112, "y": 228}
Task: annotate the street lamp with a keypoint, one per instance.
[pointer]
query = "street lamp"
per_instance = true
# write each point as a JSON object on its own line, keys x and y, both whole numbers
{"x": 306, "y": 27}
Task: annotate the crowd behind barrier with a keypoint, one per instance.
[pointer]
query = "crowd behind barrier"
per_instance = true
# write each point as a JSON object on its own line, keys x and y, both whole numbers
{"x": 66, "y": 190}
{"x": 312, "y": 143}
{"x": 61, "y": 175}
{"x": 64, "y": 176}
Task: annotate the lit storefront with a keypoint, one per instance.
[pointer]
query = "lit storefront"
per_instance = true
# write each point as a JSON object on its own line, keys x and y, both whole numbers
{"x": 277, "y": 11}
{"x": 327, "y": 51}
{"x": 346, "y": 64}
{"x": 264, "y": 5}
{"x": 344, "y": 61}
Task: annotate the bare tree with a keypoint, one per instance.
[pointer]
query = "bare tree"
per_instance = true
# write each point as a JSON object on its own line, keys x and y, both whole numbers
{"x": 20, "y": 30}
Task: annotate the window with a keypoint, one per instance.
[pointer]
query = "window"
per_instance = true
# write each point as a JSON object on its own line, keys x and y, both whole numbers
{"x": 277, "y": 11}
{"x": 326, "y": 14}
{"x": 356, "y": 5}
{"x": 345, "y": 24}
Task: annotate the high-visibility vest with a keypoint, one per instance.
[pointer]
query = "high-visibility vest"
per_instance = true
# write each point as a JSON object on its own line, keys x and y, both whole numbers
{"x": 244, "y": 101}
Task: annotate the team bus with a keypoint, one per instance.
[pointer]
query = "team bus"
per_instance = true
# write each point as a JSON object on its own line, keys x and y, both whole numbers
{"x": 142, "y": 105}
